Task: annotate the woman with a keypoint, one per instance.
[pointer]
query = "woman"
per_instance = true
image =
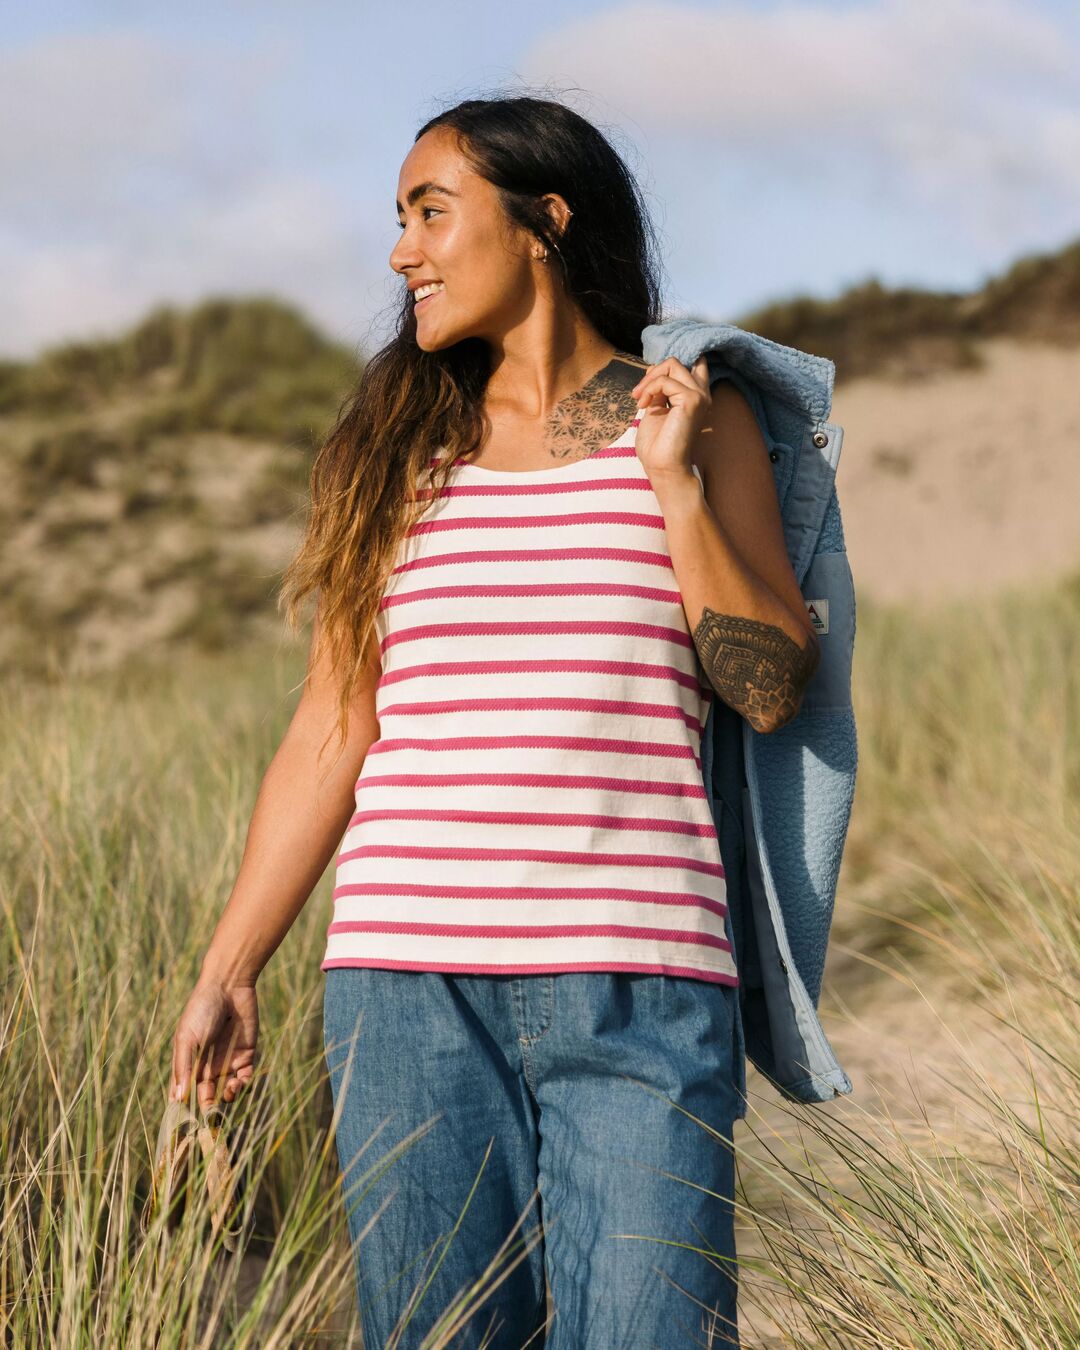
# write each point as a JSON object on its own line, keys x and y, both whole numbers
{"x": 526, "y": 602}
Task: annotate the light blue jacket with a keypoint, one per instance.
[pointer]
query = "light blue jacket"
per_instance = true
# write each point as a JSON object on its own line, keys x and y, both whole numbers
{"x": 782, "y": 800}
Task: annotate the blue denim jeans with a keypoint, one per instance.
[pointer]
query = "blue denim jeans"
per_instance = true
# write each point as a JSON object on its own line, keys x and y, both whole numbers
{"x": 575, "y": 1081}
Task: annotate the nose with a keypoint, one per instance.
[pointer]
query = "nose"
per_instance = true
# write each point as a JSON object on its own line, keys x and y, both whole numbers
{"x": 403, "y": 254}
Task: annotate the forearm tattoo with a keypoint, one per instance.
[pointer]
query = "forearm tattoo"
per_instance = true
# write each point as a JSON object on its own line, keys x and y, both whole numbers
{"x": 755, "y": 667}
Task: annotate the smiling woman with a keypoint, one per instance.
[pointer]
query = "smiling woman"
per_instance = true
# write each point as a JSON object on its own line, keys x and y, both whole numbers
{"x": 530, "y": 925}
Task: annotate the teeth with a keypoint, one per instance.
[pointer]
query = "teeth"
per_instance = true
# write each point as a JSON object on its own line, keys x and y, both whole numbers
{"x": 428, "y": 290}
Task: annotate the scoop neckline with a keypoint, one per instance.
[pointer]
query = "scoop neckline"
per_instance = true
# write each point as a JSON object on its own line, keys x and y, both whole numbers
{"x": 461, "y": 466}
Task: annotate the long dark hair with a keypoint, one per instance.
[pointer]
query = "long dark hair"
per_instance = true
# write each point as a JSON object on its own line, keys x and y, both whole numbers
{"x": 408, "y": 403}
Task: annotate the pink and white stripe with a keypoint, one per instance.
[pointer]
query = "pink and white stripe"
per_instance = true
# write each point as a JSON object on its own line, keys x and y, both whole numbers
{"x": 534, "y": 802}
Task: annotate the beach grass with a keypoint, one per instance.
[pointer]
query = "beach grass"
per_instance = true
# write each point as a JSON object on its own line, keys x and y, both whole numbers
{"x": 937, "y": 1212}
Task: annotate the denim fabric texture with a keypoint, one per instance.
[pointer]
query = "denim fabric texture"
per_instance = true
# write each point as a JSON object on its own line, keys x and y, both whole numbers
{"x": 782, "y": 801}
{"x": 584, "y": 1085}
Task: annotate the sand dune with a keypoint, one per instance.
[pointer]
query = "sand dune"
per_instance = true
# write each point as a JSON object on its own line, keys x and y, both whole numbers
{"x": 965, "y": 482}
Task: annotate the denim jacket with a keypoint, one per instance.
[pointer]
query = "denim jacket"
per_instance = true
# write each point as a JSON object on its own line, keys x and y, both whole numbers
{"x": 782, "y": 800}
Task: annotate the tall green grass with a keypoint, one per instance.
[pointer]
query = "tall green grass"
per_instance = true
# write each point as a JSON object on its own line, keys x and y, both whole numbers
{"x": 126, "y": 800}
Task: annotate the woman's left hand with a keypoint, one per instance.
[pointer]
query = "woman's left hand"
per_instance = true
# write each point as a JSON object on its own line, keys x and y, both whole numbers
{"x": 675, "y": 405}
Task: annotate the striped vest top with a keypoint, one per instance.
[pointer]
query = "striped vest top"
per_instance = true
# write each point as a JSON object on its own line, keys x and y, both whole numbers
{"x": 534, "y": 802}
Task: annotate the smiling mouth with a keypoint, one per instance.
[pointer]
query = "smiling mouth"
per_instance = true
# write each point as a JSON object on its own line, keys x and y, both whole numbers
{"x": 421, "y": 303}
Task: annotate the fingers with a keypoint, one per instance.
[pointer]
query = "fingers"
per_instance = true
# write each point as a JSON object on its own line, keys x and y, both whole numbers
{"x": 672, "y": 377}
{"x": 236, "y": 1081}
{"x": 206, "y": 1062}
{"x": 181, "y": 1066}
{"x": 669, "y": 388}
{"x": 190, "y": 1068}
{"x": 215, "y": 1076}
{"x": 194, "y": 1067}
{"x": 700, "y": 368}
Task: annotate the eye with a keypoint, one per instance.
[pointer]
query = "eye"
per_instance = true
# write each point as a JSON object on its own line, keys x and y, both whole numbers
{"x": 400, "y": 224}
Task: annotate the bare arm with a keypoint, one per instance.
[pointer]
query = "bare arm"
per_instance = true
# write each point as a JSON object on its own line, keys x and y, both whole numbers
{"x": 744, "y": 607}
{"x": 301, "y": 811}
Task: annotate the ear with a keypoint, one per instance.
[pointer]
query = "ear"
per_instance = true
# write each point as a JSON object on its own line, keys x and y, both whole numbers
{"x": 559, "y": 212}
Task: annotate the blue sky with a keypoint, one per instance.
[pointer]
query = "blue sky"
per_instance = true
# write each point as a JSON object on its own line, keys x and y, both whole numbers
{"x": 164, "y": 152}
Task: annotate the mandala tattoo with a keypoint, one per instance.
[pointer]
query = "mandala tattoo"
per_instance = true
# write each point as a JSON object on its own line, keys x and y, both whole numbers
{"x": 596, "y": 415}
{"x": 755, "y": 667}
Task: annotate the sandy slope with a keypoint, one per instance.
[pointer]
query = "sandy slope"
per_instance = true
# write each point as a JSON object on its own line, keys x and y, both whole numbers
{"x": 964, "y": 482}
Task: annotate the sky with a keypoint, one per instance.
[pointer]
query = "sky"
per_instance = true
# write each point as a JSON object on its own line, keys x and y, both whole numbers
{"x": 161, "y": 153}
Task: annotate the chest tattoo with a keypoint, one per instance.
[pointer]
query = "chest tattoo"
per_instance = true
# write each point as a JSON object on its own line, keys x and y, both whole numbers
{"x": 597, "y": 414}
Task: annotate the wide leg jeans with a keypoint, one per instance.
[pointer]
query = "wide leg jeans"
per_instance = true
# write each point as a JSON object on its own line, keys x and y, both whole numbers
{"x": 465, "y": 1103}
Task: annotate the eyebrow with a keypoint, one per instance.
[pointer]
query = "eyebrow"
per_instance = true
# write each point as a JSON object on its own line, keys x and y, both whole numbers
{"x": 421, "y": 188}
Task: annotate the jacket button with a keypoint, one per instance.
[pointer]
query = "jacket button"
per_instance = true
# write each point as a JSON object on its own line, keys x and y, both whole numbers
{"x": 774, "y": 455}
{"x": 820, "y": 440}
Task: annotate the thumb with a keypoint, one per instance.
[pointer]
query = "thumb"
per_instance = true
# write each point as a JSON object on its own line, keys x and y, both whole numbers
{"x": 184, "y": 1057}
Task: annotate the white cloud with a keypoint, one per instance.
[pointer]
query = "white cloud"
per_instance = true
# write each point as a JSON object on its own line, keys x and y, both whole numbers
{"x": 284, "y": 235}
{"x": 964, "y": 107}
{"x": 138, "y": 172}
{"x": 135, "y": 169}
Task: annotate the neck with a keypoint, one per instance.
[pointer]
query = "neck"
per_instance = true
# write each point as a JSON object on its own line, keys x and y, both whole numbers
{"x": 540, "y": 364}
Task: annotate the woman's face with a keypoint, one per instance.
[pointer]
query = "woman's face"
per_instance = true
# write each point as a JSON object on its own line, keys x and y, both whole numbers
{"x": 455, "y": 233}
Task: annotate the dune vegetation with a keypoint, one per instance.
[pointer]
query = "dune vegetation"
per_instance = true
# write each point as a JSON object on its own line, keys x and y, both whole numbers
{"x": 935, "y": 1213}
{"x": 155, "y": 482}
{"x": 154, "y": 489}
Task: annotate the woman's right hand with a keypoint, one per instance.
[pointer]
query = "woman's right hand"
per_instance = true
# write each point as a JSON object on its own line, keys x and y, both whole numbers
{"x": 215, "y": 1015}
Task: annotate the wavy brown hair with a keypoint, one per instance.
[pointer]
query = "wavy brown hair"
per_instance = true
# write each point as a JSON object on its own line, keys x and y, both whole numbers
{"x": 408, "y": 403}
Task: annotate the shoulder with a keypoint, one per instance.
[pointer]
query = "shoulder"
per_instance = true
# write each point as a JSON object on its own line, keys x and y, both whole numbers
{"x": 730, "y": 403}
{"x": 731, "y": 440}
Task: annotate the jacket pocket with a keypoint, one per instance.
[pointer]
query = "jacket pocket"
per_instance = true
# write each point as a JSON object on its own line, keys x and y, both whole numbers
{"x": 829, "y": 593}
{"x": 782, "y": 462}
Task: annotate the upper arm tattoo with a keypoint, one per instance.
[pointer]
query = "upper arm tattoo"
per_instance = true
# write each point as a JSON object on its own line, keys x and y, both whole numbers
{"x": 755, "y": 667}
